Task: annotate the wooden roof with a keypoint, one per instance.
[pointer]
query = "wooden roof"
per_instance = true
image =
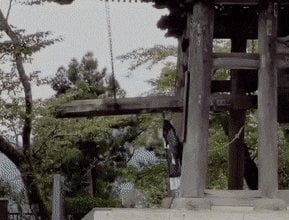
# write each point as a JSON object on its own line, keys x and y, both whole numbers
{"x": 232, "y": 16}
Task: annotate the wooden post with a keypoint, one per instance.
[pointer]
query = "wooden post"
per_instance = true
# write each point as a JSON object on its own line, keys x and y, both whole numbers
{"x": 195, "y": 153}
{"x": 236, "y": 125}
{"x": 267, "y": 102}
{"x": 182, "y": 66}
{"x": 179, "y": 117}
{"x": 58, "y": 200}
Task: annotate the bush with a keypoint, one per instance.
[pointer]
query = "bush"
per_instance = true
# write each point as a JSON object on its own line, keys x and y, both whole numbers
{"x": 83, "y": 204}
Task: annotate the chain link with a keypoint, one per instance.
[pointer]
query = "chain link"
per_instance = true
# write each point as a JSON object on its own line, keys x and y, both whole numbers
{"x": 109, "y": 32}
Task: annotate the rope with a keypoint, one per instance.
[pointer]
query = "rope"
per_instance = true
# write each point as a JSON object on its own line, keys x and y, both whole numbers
{"x": 109, "y": 32}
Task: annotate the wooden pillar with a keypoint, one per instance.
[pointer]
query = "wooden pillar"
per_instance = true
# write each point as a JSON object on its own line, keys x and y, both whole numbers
{"x": 178, "y": 119}
{"x": 267, "y": 102}
{"x": 182, "y": 63}
{"x": 182, "y": 67}
{"x": 236, "y": 124}
{"x": 195, "y": 153}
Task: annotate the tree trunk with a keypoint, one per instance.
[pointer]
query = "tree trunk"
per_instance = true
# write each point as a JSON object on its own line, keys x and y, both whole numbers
{"x": 22, "y": 159}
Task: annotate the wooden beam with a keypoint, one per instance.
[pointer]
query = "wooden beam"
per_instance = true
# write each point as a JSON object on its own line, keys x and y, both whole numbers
{"x": 179, "y": 119}
{"x": 225, "y": 102}
{"x": 267, "y": 103}
{"x": 218, "y": 102}
{"x": 236, "y": 61}
{"x": 123, "y": 106}
{"x": 236, "y": 124}
{"x": 152, "y": 104}
{"x": 246, "y": 61}
{"x": 195, "y": 151}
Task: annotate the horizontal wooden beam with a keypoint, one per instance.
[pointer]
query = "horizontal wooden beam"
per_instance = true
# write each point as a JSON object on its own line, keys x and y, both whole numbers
{"x": 224, "y": 102}
{"x": 158, "y": 104}
{"x": 122, "y": 106}
{"x": 236, "y": 61}
{"x": 152, "y": 104}
{"x": 245, "y": 61}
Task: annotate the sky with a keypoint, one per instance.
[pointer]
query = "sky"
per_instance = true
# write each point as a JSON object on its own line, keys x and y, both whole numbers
{"x": 82, "y": 26}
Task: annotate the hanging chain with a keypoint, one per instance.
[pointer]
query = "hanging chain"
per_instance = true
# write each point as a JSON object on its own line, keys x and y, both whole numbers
{"x": 109, "y": 32}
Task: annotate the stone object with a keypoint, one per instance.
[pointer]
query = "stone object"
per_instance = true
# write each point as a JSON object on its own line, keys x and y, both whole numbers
{"x": 57, "y": 202}
{"x": 216, "y": 213}
{"x": 270, "y": 204}
{"x": 191, "y": 203}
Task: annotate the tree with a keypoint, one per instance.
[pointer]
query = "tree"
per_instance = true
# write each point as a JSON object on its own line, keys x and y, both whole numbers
{"x": 17, "y": 106}
{"x": 85, "y": 80}
{"x": 92, "y": 153}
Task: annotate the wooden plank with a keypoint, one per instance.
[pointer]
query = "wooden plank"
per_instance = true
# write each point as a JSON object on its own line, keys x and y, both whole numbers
{"x": 267, "y": 103}
{"x": 195, "y": 155}
{"x": 123, "y": 106}
{"x": 236, "y": 61}
{"x": 225, "y": 102}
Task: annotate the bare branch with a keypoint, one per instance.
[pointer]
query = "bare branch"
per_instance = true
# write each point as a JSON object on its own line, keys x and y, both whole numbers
{"x": 9, "y": 9}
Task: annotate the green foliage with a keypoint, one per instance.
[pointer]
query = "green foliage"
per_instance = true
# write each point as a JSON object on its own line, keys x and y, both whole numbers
{"x": 151, "y": 56}
{"x": 83, "y": 204}
{"x": 76, "y": 147}
{"x": 82, "y": 148}
{"x": 167, "y": 81}
{"x": 151, "y": 181}
{"x": 84, "y": 80}
{"x": 218, "y": 155}
{"x": 5, "y": 189}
